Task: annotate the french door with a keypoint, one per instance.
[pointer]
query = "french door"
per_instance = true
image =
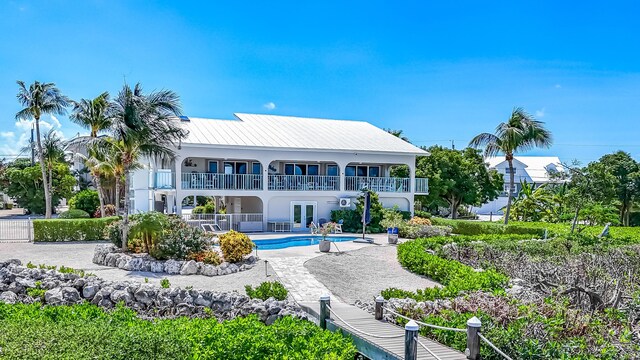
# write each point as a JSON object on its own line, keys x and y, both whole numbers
{"x": 303, "y": 213}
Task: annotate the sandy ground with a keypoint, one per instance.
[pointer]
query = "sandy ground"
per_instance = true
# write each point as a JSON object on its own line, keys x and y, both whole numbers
{"x": 361, "y": 274}
{"x": 78, "y": 255}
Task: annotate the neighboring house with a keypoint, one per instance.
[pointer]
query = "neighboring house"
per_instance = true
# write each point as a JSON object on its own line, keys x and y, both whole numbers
{"x": 528, "y": 169}
{"x": 279, "y": 172}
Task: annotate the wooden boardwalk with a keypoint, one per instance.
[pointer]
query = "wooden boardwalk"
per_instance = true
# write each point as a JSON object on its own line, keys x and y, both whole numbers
{"x": 368, "y": 332}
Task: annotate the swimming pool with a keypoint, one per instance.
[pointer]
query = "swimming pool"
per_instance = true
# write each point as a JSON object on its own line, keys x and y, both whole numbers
{"x": 304, "y": 240}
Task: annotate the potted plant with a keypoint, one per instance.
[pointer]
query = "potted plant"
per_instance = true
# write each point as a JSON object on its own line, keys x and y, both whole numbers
{"x": 391, "y": 219}
{"x": 325, "y": 245}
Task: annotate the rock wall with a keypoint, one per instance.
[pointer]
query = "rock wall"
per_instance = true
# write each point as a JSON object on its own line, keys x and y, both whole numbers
{"x": 110, "y": 255}
{"x": 148, "y": 300}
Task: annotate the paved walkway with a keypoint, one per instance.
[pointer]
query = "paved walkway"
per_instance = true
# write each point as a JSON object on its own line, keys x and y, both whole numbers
{"x": 294, "y": 276}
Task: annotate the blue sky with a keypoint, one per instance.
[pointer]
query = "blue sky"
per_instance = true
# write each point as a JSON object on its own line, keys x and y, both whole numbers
{"x": 438, "y": 71}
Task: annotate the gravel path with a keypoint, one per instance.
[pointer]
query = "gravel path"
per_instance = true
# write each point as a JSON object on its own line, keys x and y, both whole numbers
{"x": 78, "y": 255}
{"x": 362, "y": 274}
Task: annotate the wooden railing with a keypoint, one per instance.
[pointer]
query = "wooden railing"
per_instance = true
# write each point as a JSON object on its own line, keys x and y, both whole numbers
{"x": 378, "y": 184}
{"x": 304, "y": 183}
{"x": 210, "y": 181}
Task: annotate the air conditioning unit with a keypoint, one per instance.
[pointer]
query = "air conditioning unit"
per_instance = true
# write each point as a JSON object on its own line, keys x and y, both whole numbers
{"x": 345, "y": 202}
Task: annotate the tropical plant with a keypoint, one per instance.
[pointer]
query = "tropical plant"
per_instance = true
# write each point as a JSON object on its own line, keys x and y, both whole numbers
{"x": 520, "y": 132}
{"x": 148, "y": 227}
{"x": 144, "y": 125}
{"x": 93, "y": 114}
{"x": 391, "y": 218}
{"x": 267, "y": 289}
{"x": 532, "y": 203}
{"x": 37, "y": 100}
{"x": 235, "y": 245}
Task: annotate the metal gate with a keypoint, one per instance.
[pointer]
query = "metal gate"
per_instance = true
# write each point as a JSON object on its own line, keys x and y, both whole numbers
{"x": 16, "y": 230}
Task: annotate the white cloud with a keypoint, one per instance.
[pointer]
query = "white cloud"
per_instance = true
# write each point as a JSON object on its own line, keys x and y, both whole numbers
{"x": 540, "y": 113}
{"x": 269, "y": 106}
{"x": 557, "y": 86}
{"x": 7, "y": 134}
{"x": 12, "y": 142}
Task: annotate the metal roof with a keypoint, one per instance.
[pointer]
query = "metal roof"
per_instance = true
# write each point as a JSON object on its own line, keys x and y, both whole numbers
{"x": 289, "y": 132}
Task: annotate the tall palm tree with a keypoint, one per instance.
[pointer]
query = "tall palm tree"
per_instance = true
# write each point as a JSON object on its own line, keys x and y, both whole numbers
{"x": 37, "y": 100}
{"x": 520, "y": 132}
{"x": 53, "y": 148}
{"x": 144, "y": 125}
{"x": 93, "y": 114}
{"x": 113, "y": 167}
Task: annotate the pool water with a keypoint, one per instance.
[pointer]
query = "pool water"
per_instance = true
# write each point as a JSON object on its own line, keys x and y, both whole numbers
{"x": 282, "y": 243}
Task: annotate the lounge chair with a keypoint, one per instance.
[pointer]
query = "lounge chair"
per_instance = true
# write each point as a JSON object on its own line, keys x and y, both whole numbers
{"x": 338, "y": 228}
{"x": 314, "y": 228}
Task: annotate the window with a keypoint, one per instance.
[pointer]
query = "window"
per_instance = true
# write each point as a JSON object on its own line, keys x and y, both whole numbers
{"x": 507, "y": 171}
{"x": 332, "y": 170}
{"x": 363, "y": 170}
{"x": 213, "y": 166}
{"x": 313, "y": 170}
{"x": 301, "y": 169}
{"x": 256, "y": 168}
{"x": 233, "y": 167}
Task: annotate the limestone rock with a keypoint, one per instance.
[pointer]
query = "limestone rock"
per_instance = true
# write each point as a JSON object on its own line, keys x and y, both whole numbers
{"x": 189, "y": 268}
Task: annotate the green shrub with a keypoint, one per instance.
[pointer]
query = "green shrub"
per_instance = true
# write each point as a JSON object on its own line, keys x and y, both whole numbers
{"x": 114, "y": 233}
{"x": 74, "y": 214}
{"x": 267, "y": 290}
{"x": 45, "y": 230}
{"x": 87, "y": 332}
{"x": 455, "y": 277}
{"x": 235, "y": 246}
{"x": 165, "y": 284}
{"x": 87, "y": 200}
{"x": 467, "y": 227}
{"x": 178, "y": 240}
{"x": 208, "y": 208}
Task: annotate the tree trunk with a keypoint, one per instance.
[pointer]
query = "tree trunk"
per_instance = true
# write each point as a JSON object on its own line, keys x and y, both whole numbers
{"x": 50, "y": 184}
{"x": 96, "y": 179}
{"x": 510, "y": 192}
{"x": 116, "y": 196}
{"x": 45, "y": 183}
{"x": 125, "y": 216}
{"x": 454, "y": 208}
{"x": 575, "y": 219}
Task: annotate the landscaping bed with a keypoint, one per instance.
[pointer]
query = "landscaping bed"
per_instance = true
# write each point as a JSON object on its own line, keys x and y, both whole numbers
{"x": 565, "y": 297}
{"x": 109, "y": 255}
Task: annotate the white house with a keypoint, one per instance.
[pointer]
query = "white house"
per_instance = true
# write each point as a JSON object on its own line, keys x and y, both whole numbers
{"x": 528, "y": 169}
{"x": 279, "y": 172}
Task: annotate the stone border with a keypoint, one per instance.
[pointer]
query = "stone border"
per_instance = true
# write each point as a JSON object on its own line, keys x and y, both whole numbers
{"x": 110, "y": 255}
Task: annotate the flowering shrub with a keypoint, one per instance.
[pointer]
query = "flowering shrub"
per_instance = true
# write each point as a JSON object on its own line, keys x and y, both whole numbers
{"x": 235, "y": 245}
{"x": 416, "y": 220}
{"x": 210, "y": 257}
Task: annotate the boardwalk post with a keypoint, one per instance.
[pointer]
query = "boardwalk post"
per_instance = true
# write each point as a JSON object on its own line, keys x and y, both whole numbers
{"x": 379, "y": 303}
{"x": 324, "y": 310}
{"x": 411, "y": 340}
{"x": 473, "y": 340}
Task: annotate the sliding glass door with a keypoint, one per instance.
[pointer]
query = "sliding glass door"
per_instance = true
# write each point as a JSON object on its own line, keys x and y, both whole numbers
{"x": 303, "y": 213}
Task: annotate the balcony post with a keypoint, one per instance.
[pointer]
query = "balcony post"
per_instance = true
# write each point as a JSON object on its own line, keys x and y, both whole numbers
{"x": 178, "y": 183}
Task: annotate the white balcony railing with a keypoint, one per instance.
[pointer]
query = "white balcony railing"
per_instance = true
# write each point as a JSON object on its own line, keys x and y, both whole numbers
{"x": 304, "y": 183}
{"x": 422, "y": 186}
{"x": 212, "y": 181}
{"x": 164, "y": 180}
{"x": 378, "y": 184}
{"x": 226, "y": 222}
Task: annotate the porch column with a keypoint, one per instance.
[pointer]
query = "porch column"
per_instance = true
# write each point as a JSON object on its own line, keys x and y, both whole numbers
{"x": 178, "y": 183}
{"x": 342, "y": 167}
{"x": 412, "y": 184}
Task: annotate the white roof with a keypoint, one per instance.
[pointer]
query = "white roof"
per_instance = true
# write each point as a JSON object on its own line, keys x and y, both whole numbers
{"x": 288, "y": 132}
{"x": 537, "y": 167}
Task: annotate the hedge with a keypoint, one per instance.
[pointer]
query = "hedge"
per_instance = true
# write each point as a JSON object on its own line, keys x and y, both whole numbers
{"x": 88, "y": 332}
{"x": 466, "y": 227}
{"x": 53, "y": 230}
{"x": 455, "y": 277}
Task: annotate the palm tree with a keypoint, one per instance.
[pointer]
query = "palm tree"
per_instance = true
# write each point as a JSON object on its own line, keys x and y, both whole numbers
{"x": 113, "y": 167}
{"x": 37, "y": 100}
{"x": 398, "y": 133}
{"x": 144, "y": 125}
{"x": 520, "y": 133}
{"x": 53, "y": 148}
{"x": 94, "y": 115}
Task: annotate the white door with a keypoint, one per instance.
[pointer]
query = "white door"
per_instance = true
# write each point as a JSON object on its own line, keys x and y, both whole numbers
{"x": 303, "y": 213}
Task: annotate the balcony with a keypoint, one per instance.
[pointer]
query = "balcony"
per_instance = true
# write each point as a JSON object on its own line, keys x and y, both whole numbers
{"x": 163, "y": 179}
{"x": 304, "y": 183}
{"x": 422, "y": 186}
{"x": 211, "y": 181}
{"x": 378, "y": 184}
